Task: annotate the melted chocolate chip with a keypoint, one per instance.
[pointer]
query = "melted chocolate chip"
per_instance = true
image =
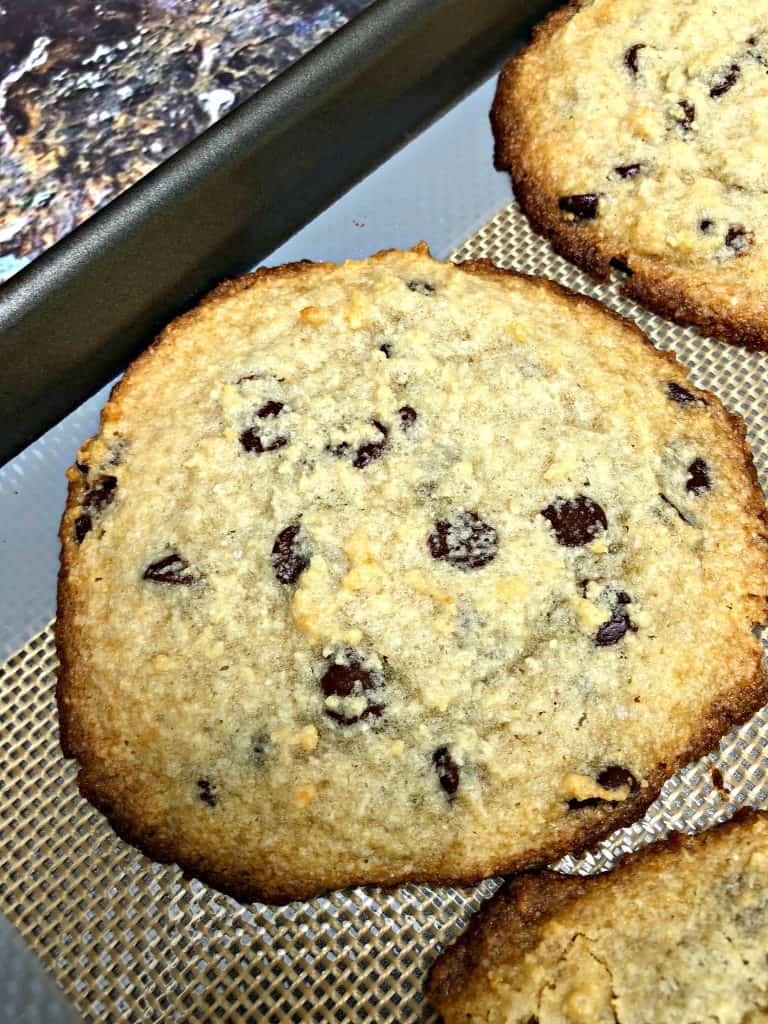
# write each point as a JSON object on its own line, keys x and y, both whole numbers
{"x": 618, "y": 625}
{"x": 251, "y": 440}
{"x": 206, "y": 792}
{"x": 289, "y": 556}
{"x": 101, "y": 494}
{"x": 689, "y": 114}
{"x": 583, "y": 207}
{"x": 621, "y": 265}
{"x": 628, "y": 170}
{"x": 726, "y": 82}
{"x": 408, "y": 416}
{"x": 82, "y": 466}
{"x": 422, "y": 287}
{"x": 172, "y": 569}
{"x": 738, "y": 239}
{"x": 699, "y": 479}
{"x": 352, "y": 680}
{"x": 270, "y": 408}
{"x": 386, "y": 348}
{"x": 465, "y": 541}
{"x": 447, "y": 770}
{"x": 614, "y": 777}
{"x": 682, "y": 395}
{"x": 576, "y": 521}
{"x": 611, "y": 777}
{"x": 630, "y": 58}
{"x": 83, "y": 525}
{"x": 706, "y": 225}
{"x": 372, "y": 450}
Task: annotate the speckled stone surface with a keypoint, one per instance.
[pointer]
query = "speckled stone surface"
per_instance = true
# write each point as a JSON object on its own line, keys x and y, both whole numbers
{"x": 95, "y": 95}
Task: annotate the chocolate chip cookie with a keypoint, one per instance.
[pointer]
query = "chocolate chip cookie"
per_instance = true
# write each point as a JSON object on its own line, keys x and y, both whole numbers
{"x": 401, "y": 570}
{"x": 675, "y": 935}
{"x": 636, "y": 135}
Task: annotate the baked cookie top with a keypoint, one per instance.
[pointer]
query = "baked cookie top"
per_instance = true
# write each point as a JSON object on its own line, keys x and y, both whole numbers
{"x": 637, "y": 131}
{"x": 401, "y": 570}
{"x": 676, "y": 934}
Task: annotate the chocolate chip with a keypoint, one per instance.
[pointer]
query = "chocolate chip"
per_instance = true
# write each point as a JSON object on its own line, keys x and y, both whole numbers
{"x": 422, "y": 287}
{"x": 682, "y": 395}
{"x": 372, "y": 450}
{"x": 689, "y": 114}
{"x": 366, "y": 453}
{"x": 447, "y": 770}
{"x": 621, "y": 265}
{"x": 726, "y": 81}
{"x": 251, "y": 440}
{"x": 628, "y": 170}
{"x": 583, "y": 207}
{"x": 206, "y": 792}
{"x": 289, "y": 555}
{"x": 618, "y": 625}
{"x": 576, "y": 521}
{"x": 630, "y": 58}
{"x": 611, "y": 777}
{"x": 352, "y": 680}
{"x": 699, "y": 479}
{"x": 83, "y": 525}
{"x": 101, "y": 494}
{"x": 408, "y": 416}
{"x": 706, "y": 225}
{"x": 270, "y": 408}
{"x": 614, "y": 777}
{"x": 465, "y": 541}
{"x": 82, "y": 466}
{"x": 172, "y": 569}
{"x": 738, "y": 239}
{"x": 386, "y": 348}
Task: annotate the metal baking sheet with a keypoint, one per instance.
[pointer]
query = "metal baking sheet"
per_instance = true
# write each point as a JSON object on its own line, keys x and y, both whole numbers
{"x": 83, "y": 309}
{"x": 130, "y": 940}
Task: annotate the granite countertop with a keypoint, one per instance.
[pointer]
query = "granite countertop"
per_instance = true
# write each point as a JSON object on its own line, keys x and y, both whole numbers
{"x": 93, "y": 95}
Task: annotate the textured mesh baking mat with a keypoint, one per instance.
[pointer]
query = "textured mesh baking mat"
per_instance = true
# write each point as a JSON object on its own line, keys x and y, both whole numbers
{"x": 129, "y": 940}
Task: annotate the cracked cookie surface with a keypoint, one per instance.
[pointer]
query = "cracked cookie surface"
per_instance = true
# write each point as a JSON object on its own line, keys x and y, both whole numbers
{"x": 637, "y": 131}
{"x": 674, "y": 935}
{"x": 401, "y": 570}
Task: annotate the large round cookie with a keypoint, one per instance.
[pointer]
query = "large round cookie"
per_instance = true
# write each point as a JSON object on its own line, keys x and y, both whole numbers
{"x": 637, "y": 131}
{"x": 401, "y": 570}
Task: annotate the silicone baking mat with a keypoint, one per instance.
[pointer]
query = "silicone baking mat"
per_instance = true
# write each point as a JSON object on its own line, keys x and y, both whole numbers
{"x": 129, "y": 940}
